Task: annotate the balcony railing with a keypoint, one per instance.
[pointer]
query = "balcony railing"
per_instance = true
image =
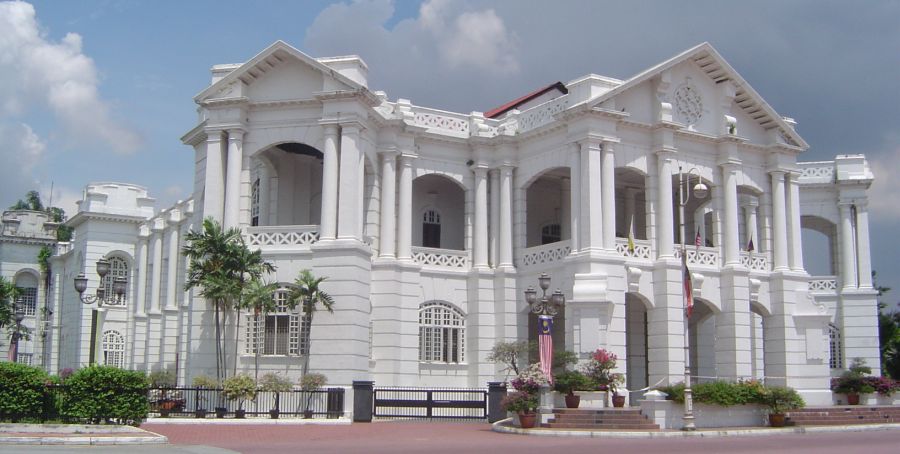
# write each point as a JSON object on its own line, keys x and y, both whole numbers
{"x": 704, "y": 256}
{"x": 823, "y": 284}
{"x": 641, "y": 250}
{"x": 282, "y": 237}
{"x": 443, "y": 258}
{"x": 547, "y": 253}
{"x": 755, "y": 261}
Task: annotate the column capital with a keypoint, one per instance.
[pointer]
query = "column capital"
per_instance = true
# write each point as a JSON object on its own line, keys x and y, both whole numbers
{"x": 480, "y": 171}
{"x": 213, "y": 135}
{"x": 236, "y": 133}
{"x": 158, "y": 224}
{"x": 730, "y": 165}
{"x": 388, "y": 152}
{"x": 174, "y": 217}
{"x": 666, "y": 152}
{"x": 351, "y": 127}
{"x": 330, "y": 127}
{"x": 778, "y": 172}
{"x": 406, "y": 159}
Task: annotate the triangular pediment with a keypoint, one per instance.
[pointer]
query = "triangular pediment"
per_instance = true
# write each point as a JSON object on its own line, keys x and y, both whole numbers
{"x": 279, "y": 54}
{"x": 710, "y": 62}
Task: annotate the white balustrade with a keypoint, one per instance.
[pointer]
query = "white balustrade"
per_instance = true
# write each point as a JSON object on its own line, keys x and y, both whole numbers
{"x": 704, "y": 256}
{"x": 285, "y": 237}
{"x": 444, "y": 258}
{"x": 542, "y": 114}
{"x": 755, "y": 261}
{"x": 820, "y": 172}
{"x": 445, "y": 121}
{"x": 641, "y": 250}
{"x": 547, "y": 253}
{"x": 823, "y": 284}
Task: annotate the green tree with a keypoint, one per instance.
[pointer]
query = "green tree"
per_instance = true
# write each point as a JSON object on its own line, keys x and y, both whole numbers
{"x": 245, "y": 266}
{"x": 32, "y": 201}
{"x": 309, "y": 293}
{"x": 888, "y": 333}
{"x": 8, "y": 294}
{"x": 258, "y": 296}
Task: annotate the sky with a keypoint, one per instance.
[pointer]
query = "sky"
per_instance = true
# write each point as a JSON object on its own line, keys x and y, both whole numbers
{"x": 101, "y": 90}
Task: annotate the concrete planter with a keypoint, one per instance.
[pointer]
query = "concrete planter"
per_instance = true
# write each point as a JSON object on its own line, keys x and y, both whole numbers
{"x": 668, "y": 414}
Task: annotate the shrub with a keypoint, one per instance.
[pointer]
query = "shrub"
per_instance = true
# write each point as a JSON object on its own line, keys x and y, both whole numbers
{"x": 240, "y": 388}
{"x": 720, "y": 393}
{"x": 204, "y": 381}
{"x": 520, "y": 402}
{"x": 571, "y": 380}
{"x": 313, "y": 381}
{"x": 162, "y": 378}
{"x": 600, "y": 366}
{"x": 781, "y": 399}
{"x": 883, "y": 385}
{"x": 854, "y": 380}
{"x": 105, "y": 393}
{"x": 530, "y": 380}
{"x": 275, "y": 383}
{"x": 22, "y": 391}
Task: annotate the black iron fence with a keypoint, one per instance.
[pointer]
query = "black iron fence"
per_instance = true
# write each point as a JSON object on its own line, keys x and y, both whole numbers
{"x": 430, "y": 403}
{"x": 211, "y": 402}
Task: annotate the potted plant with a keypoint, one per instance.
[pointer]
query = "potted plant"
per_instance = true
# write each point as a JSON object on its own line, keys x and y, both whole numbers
{"x": 240, "y": 388}
{"x": 615, "y": 380}
{"x": 600, "y": 367}
{"x": 779, "y": 401}
{"x": 160, "y": 382}
{"x": 309, "y": 383}
{"x": 202, "y": 383}
{"x": 523, "y": 404}
{"x": 277, "y": 384}
{"x": 853, "y": 382}
{"x": 569, "y": 381}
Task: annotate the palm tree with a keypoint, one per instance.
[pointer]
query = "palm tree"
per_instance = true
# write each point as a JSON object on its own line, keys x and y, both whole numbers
{"x": 247, "y": 266}
{"x": 209, "y": 252}
{"x": 259, "y": 297}
{"x": 308, "y": 293}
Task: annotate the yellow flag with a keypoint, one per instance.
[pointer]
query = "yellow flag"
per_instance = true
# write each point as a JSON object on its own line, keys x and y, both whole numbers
{"x": 631, "y": 235}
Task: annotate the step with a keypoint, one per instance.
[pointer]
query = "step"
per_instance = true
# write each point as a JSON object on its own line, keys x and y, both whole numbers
{"x": 645, "y": 426}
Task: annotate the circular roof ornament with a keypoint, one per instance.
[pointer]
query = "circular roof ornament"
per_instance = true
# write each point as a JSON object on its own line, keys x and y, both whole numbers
{"x": 688, "y": 103}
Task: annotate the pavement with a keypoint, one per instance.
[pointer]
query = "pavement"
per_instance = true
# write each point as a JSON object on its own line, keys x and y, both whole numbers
{"x": 77, "y": 434}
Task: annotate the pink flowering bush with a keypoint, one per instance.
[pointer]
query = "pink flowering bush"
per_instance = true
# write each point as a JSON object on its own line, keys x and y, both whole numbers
{"x": 600, "y": 367}
{"x": 530, "y": 380}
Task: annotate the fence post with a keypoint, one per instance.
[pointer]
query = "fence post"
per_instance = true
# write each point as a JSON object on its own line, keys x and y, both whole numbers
{"x": 363, "y": 400}
{"x": 335, "y": 403}
{"x": 496, "y": 392}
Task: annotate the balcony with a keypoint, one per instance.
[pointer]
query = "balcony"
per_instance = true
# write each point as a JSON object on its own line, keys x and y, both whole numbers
{"x": 641, "y": 252}
{"x": 755, "y": 261}
{"x": 545, "y": 254}
{"x": 282, "y": 237}
{"x": 700, "y": 256}
{"x": 823, "y": 284}
{"x": 441, "y": 258}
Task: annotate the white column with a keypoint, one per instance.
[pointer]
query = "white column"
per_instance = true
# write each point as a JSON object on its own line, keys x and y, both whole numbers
{"x": 157, "y": 268}
{"x": 796, "y": 249}
{"x": 495, "y": 217}
{"x": 591, "y": 196}
{"x": 750, "y": 223}
{"x": 779, "y": 221}
{"x": 328, "y": 227}
{"x": 264, "y": 190}
{"x": 848, "y": 253}
{"x": 664, "y": 216}
{"x": 141, "y": 288}
{"x": 565, "y": 208}
{"x": 214, "y": 184}
{"x": 480, "y": 240}
{"x": 575, "y": 194}
{"x": 233, "y": 178}
{"x": 388, "y": 243}
{"x": 732, "y": 246}
{"x": 863, "y": 252}
{"x": 349, "y": 204}
{"x": 172, "y": 272}
{"x": 608, "y": 196}
{"x": 404, "y": 229}
{"x": 506, "y": 219}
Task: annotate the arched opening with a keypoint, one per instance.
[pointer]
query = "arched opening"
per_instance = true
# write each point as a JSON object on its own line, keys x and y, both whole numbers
{"x": 27, "y": 283}
{"x": 702, "y": 335}
{"x": 636, "y": 353}
{"x": 699, "y": 216}
{"x": 631, "y": 204}
{"x": 749, "y": 219}
{"x": 757, "y": 340}
{"x": 288, "y": 185}
{"x": 113, "y": 349}
{"x": 819, "y": 245}
{"x": 442, "y": 333}
{"x": 547, "y": 208}
{"x": 118, "y": 267}
{"x": 438, "y": 213}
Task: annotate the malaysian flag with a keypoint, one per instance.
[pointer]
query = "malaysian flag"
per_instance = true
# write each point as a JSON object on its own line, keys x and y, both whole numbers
{"x": 545, "y": 344}
{"x": 688, "y": 287}
{"x": 697, "y": 240}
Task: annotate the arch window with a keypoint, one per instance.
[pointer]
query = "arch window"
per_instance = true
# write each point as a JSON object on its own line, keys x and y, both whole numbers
{"x": 283, "y": 332}
{"x": 117, "y": 268}
{"x": 254, "y": 203}
{"x": 442, "y": 334}
{"x": 431, "y": 229}
{"x": 551, "y": 233}
{"x": 835, "y": 347}
{"x": 27, "y": 286}
{"x": 113, "y": 349}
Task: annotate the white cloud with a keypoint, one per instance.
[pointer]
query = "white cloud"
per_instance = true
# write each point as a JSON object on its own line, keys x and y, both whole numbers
{"x": 58, "y": 76}
{"x": 885, "y": 189}
{"x": 20, "y": 150}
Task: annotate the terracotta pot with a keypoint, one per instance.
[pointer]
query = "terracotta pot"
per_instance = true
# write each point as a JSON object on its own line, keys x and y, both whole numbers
{"x": 572, "y": 400}
{"x": 618, "y": 401}
{"x": 853, "y": 399}
{"x": 776, "y": 419}
{"x": 527, "y": 420}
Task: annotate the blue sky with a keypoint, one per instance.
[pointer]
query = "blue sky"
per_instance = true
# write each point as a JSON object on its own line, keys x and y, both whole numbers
{"x": 102, "y": 90}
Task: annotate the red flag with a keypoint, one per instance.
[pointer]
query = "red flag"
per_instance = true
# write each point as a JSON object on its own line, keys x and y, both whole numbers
{"x": 688, "y": 289}
{"x": 545, "y": 344}
{"x": 697, "y": 240}
{"x": 750, "y": 245}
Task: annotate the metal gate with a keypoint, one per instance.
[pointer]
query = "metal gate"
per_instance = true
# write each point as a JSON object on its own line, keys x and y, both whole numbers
{"x": 430, "y": 403}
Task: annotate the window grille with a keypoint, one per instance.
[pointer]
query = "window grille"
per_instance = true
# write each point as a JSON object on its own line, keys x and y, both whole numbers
{"x": 835, "y": 347}
{"x": 25, "y": 358}
{"x": 283, "y": 332}
{"x": 442, "y": 334}
{"x": 117, "y": 268}
{"x": 431, "y": 229}
{"x": 551, "y": 233}
{"x": 113, "y": 349}
{"x": 28, "y": 298}
{"x": 254, "y": 203}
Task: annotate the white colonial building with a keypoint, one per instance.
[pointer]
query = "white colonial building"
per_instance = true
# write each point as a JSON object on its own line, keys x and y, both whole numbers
{"x": 430, "y": 225}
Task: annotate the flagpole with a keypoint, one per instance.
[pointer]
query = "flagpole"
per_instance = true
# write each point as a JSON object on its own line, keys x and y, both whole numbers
{"x": 688, "y": 417}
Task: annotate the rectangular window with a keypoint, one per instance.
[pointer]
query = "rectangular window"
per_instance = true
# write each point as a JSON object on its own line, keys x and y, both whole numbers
{"x": 431, "y": 235}
{"x": 28, "y": 297}
{"x": 278, "y": 333}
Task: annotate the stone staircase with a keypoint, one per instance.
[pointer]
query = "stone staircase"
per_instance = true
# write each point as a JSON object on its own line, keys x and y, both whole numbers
{"x": 600, "y": 419}
{"x": 843, "y": 415}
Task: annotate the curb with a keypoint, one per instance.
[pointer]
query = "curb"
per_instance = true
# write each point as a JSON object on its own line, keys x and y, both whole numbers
{"x": 252, "y": 421}
{"x": 504, "y": 426}
{"x": 85, "y": 440}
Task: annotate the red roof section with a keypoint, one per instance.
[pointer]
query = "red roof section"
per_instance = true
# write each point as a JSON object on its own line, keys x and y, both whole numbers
{"x": 496, "y": 112}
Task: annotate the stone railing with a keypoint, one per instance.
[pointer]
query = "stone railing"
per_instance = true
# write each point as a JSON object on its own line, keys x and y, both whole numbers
{"x": 444, "y": 258}
{"x": 441, "y": 120}
{"x": 704, "y": 256}
{"x": 823, "y": 284}
{"x": 641, "y": 250}
{"x": 544, "y": 254}
{"x": 820, "y": 172}
{"x": 755, "y": 261}
{"x": 282, "y": 237}
{"x": 542, "y": 114}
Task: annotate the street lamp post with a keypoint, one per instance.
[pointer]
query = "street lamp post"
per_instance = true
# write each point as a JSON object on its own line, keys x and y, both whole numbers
{"x": 100, "y": 298}
{"x": 545, "y": 306}
{"x": 700, "y": 191}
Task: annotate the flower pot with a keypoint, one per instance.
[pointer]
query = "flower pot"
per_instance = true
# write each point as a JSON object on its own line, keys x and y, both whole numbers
{"x": 776, "y": 419}
{"x": 239, "y": 414}
{"x": 307, "y": 414}
{"x": 163, "y": 412}
{"x": 618, "y": 401}
{"x": 220, "y": 412}
{"x": 602, "y": 388}
{"x": 200, "y": 413}
{"x": 527, "y": 420}
{"x": 853, "y": 399}
{"x": 273, "y": 414}
{"x": 572, "y": 400}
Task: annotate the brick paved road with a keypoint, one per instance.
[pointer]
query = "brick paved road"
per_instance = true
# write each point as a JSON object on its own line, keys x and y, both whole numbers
{"x": 438, "y": 438}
